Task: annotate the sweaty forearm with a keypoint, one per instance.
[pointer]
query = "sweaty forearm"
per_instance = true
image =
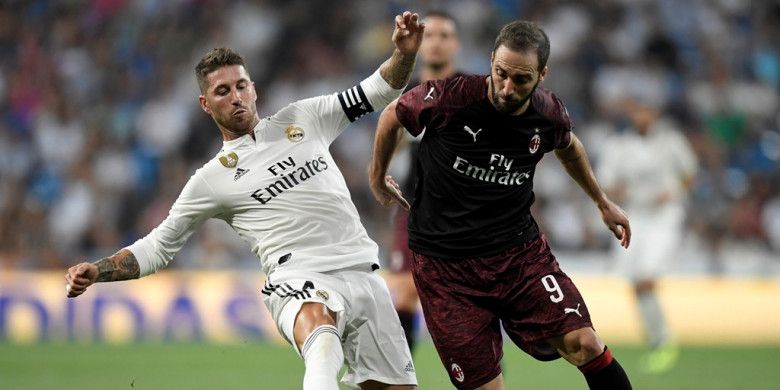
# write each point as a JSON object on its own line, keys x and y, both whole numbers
{"x": 575, "y": 160}
{"x": 120, "y": 266}
{"x": 386, "y": 140}
{"x": 398, "y": 69}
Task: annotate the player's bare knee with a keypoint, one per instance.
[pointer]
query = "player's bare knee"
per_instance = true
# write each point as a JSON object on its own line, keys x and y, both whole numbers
{"x": 311, "y": 316}
{"x": 580, "y": 346}
{"x": 590, "y": 349}
{"x": 644, "y": 286}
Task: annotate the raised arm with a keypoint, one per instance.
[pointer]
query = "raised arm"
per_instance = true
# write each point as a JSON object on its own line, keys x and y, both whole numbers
{"x": 575, "y": 160}
{"x": 388, "y": 134}
{"x": 120, "y": 266}
{"x": 407, "y": 36}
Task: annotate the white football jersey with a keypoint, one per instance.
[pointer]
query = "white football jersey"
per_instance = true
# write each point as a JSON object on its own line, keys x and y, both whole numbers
{"x": 648, "y": 166}
{"x": 281, "y": 191}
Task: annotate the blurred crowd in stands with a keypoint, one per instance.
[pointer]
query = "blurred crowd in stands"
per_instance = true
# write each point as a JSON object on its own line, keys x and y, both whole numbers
{"x": 100, "y": 125}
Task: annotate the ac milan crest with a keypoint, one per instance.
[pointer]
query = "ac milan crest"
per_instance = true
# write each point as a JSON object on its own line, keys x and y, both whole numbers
{"x": 536, "y": 141}
{"x": 457, "y": 372}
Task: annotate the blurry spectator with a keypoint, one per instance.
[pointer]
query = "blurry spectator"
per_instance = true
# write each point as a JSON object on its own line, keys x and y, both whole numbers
{"x": 91, "y": 108}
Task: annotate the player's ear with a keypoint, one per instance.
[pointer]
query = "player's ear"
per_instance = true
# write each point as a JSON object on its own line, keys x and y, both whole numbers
{"x": 543, "y": 74}
{"x": 204, "y": 104}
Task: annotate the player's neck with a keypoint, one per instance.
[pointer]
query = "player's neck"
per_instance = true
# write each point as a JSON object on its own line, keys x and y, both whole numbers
{"x": 230, "y": 134}
{"x": 429, "y": 73}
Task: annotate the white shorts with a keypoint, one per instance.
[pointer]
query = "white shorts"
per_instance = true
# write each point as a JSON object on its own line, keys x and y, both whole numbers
{"x": 655, "y": 241}
{"x": 374, "y": 344}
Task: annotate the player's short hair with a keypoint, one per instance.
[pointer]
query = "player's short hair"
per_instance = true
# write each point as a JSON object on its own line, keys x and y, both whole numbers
{"x": 213, "y": 60}
{"x": 437, "y": 13}
{"x": 522, "y": 35}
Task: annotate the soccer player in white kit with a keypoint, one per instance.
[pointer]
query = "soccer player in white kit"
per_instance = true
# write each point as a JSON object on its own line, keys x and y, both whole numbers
{"x": 649, "y": 169}
{"x": 277, "y": 185}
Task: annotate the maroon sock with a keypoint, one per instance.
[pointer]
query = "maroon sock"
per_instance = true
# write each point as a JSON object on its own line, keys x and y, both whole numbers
{"x": 604, "y": 372}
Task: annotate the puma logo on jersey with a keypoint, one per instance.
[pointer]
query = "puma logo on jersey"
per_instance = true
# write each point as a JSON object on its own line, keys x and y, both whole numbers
{"x": 472, "y": 132}
{"x": 567, "y": 310}
{"x": 239, "y": 172}
{"x": 429, "y": 96}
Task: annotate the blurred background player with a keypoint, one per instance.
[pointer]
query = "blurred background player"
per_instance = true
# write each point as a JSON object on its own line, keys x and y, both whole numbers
{"x": 649, "y": 169}
{"x": 437, "y": 61}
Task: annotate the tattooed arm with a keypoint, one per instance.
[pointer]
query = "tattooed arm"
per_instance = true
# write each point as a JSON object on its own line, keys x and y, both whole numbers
{"x": 407, "y": 37}
{"x": 120, "y": 266}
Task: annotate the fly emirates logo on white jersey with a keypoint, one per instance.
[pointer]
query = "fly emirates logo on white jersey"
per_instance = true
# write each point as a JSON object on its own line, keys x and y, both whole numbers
{"x": 498, "y": 171}
{"x": 288, "y": 174}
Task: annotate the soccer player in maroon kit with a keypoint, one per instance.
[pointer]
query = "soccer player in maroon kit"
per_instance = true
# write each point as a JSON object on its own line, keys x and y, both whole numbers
{"x": 479, "y": 260}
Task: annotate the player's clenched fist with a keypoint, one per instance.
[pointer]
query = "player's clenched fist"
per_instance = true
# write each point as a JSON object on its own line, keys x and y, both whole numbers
{"x": 79, "y": 277}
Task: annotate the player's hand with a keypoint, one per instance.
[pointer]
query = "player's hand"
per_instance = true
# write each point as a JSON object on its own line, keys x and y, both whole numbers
{"x": 79, "y": 277}
{"x": 617, "y": 221}
{"x": 408, "y": 32}
{"x": 388, "y": 191}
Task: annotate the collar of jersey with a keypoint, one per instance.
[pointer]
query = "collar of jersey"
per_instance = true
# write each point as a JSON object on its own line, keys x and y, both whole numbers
{"x": 234, "y": 144}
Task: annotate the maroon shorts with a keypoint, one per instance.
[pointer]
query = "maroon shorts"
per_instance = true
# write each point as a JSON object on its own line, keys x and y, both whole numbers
{"x": 466, "y": 301}
{"x": 401, "y": 255}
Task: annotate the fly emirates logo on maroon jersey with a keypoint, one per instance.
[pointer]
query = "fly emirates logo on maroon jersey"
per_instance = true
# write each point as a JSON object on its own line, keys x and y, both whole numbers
{"x": 499, "y": 170}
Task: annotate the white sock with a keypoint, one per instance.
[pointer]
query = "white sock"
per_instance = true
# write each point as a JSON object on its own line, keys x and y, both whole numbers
{"x": 323, "y": 356}
{"x": 653, "y": 317}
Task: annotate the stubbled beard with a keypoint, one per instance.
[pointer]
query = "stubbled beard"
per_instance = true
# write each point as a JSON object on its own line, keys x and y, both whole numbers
{"x": 236, "y": 127}
{"x": 510, "y": 107}
{"x": 437, "y": 66}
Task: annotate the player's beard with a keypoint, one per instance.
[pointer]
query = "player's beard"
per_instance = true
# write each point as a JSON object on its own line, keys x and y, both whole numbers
{"x": 510, "y": 107}
{"x": 239, "y": 126}
{"x": 437, "y": 66}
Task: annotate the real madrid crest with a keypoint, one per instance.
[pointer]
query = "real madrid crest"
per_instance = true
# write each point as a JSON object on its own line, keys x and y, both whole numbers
{"x": 322, "y": 294}
{"x": 229, "y": 160}
{"x": 294, "y": 133}
{"x": 536, "y": 141}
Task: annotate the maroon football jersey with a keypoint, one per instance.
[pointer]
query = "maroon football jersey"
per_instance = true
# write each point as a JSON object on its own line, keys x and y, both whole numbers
{"x": 475, "y": 165}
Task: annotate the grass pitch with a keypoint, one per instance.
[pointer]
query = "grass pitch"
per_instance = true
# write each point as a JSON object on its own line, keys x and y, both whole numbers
{"x": 268, "y": 366}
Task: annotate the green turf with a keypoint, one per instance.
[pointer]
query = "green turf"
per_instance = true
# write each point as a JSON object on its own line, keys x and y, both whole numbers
{"x": 262, "y": 366}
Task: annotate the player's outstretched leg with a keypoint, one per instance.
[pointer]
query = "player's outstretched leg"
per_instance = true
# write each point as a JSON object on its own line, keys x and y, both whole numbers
{"x": 585, "y": 350}
{"x": 318, "y": 340}
{"x": 323, "y": 357}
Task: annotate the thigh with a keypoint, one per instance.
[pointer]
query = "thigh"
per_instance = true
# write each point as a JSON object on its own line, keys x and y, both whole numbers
{"x": 465, "y": 331}
{"x": 375, "y": 347}
{"x": 542, "y": 302}
{"x": 285, "y": 295}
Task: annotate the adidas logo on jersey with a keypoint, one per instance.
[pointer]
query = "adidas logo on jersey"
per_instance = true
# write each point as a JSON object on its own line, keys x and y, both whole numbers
{"x": 239, "y": 172}
{"x": 409, "y": 367}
